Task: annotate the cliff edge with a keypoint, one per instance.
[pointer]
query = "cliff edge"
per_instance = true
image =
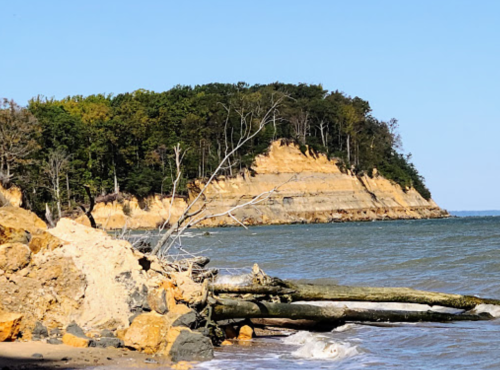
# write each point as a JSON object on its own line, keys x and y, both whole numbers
{"x": 311, "y": 189}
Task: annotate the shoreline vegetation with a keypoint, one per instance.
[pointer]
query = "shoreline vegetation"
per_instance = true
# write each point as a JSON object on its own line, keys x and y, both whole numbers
{"x": 54, "y": 149}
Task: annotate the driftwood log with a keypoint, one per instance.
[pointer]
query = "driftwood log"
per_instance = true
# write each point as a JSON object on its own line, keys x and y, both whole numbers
{"x": 310, "y": 292}
{"x": 237, "y": 308}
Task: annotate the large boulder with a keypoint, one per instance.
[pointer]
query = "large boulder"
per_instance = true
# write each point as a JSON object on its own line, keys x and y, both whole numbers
{"x": 185, "y": 345}
{"x": 14, "y": 257}
{"x": 10, "y": 325}
{"x": 147, "y": 333}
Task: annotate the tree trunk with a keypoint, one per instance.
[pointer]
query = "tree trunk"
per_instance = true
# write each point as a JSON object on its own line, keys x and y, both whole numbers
{"x": 117, "y": 187}
{"x": 348, "y": 150}
{"x": 58, "y": 197}
{"x": 309, "y": 292}
{"x": 251, "y": 289}
{"x": 238, "y": 309}
{"x": 68, "y": 190}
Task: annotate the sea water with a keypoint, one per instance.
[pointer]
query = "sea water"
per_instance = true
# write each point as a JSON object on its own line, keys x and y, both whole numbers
{"x": 457, "y": 255}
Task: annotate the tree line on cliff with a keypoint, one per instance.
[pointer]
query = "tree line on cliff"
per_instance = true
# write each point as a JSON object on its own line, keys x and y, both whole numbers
{"x": 51, "y": 148}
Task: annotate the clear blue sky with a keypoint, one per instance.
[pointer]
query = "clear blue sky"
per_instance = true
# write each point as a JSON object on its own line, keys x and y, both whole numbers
{"x": 433, "y": 65}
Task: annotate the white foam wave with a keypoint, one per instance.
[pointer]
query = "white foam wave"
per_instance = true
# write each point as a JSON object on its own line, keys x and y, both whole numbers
{"x": 345, "y": 327}
{"x": 320, "y": 347}
{"x": 492, "y": 309}
{"x": 382, "y": 306}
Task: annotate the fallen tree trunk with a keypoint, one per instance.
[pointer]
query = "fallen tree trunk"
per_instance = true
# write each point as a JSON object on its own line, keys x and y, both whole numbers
{"x": 249, "y": 289}
{"x": 234, "y": 309}
{"x": 309, "y": 292}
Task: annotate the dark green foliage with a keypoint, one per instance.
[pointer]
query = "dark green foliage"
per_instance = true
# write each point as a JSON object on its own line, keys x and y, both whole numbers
{"x": 130, "y": 137}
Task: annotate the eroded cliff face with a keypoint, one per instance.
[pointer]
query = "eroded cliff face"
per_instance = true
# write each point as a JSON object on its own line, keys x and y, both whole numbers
{"x": 310, "y": 189}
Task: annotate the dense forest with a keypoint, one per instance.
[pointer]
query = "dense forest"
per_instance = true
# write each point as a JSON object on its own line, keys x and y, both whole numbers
{"x": 52, "y": 148}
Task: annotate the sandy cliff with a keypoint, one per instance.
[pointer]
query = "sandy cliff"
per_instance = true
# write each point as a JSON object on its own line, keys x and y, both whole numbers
{"x": 313, "y": 189}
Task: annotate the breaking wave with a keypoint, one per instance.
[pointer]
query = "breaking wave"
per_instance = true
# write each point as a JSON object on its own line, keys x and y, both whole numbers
{"x": 319, "y": 347}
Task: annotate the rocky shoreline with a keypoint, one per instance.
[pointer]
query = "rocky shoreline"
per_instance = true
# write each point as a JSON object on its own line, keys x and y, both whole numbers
{"x": 77, "y": 286}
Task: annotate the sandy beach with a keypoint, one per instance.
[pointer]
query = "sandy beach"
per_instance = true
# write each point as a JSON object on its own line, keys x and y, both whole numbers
{"x": 26, "y": 355}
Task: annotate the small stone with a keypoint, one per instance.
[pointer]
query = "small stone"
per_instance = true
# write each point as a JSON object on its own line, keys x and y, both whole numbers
{"x": 38, "y": 356}
{"x": 246, "y": 333}
{"x": 76, "y": 341}
{"x": 226, "y": 343}
{"x": 150, "y": 361}
{"x": 107, "y": 342}
{"x": 157, "y": 300}
{"x": 54, "y": 341}
{"x": 66, "y": 359}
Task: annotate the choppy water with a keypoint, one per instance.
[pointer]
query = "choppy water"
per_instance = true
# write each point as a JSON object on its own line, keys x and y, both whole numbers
{"x": 460, "y": 255}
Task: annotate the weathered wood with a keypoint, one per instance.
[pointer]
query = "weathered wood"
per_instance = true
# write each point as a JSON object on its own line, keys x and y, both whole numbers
{"x": 237, "y": 309}
{"x": 294, "y": 324}
{"x": 249, "y": 289}
{"x": 197, "y": 262}
{"x": 309, "y": 292}
{"x": 233, "y": 309}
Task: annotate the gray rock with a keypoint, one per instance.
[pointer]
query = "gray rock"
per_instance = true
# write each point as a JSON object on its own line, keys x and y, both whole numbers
{"x": 187, "y": 320}
{"x": 55, "y": 332}
{"x": 74, "y": 329}
{"x": 40, "y": 330}
{"x": 191, "y": 346}
{"x": 107, "y": 342}
{"x": 107, "y": 334}
{"x": 54, "y": 341}
{"x": 38, "y": 356}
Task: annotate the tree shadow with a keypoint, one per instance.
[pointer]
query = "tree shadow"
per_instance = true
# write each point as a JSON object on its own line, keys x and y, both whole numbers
{"x": 15, "y": 363}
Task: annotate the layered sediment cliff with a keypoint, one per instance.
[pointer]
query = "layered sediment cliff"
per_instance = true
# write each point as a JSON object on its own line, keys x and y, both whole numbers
{"x": 311, "y": 189}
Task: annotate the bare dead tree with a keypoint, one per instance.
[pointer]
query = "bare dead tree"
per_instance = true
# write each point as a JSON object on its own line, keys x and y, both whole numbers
{"x": 301, "y": 126}
{"x": 57, "y": 163}
{"x": 252, "y": 121}
{"x": 324, "y": 131}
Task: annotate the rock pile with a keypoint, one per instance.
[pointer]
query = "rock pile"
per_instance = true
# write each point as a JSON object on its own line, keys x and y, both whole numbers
{"x": 78, "y": 286}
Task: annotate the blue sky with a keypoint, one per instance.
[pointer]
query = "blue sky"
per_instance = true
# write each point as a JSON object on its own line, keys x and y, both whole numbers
{"x": 433, "y": 65}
